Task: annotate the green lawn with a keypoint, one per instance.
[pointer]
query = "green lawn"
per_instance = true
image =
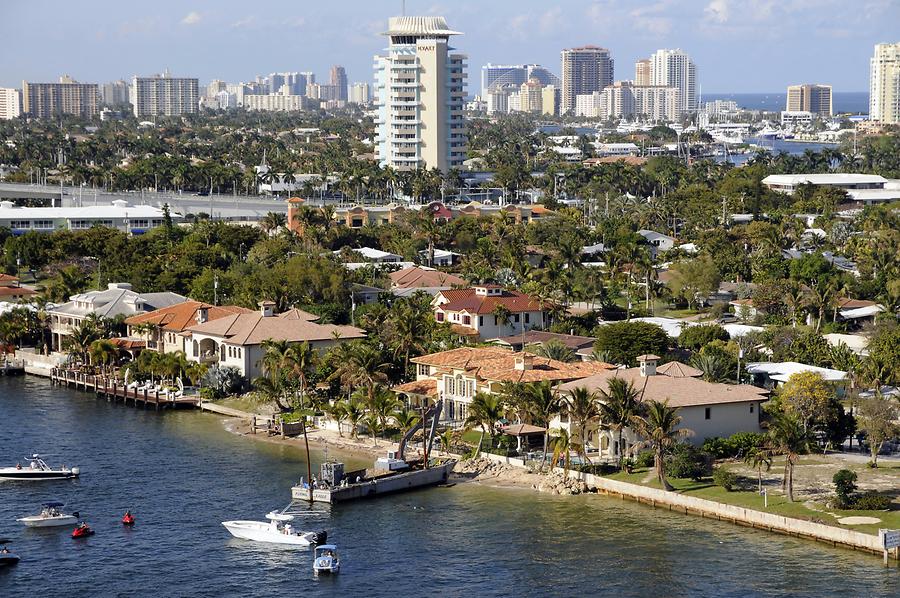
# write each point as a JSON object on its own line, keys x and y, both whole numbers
{"x": 777, "y": 503}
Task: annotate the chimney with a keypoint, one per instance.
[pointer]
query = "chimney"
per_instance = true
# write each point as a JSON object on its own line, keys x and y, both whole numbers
{"x": 524, "y": 361}
{"x": 267, "y": 308}
{"x": 202, "y": 314}
{"x": 648, "y": 365}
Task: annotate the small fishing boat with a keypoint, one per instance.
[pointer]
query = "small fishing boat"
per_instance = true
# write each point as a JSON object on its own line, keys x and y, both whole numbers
{"x": 50, "y": 516}
{"x": 38, "y": 470}
{"x": 7, "y": 557}
{"x": 82, "y": 531}
{"x": 326, "y": 559}
{"x": 277, "y": 530}
{"x": 127, "y": 518}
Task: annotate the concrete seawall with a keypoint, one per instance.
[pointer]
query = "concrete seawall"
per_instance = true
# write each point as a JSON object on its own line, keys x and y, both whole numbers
{"x": 693, "y": 505}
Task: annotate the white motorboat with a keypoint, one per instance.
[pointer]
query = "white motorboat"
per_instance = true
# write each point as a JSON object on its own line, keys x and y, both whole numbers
{"x": 277, "y": 530}
{"x": 38, "y": 470}
{"x": 326, "y": 559}
{"x": 50, "y": 516}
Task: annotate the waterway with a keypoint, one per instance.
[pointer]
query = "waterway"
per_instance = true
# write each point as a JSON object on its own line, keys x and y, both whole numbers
{"x": 182, "y": 474}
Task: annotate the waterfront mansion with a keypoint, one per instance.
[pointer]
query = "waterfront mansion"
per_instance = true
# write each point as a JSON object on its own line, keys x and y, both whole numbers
{"x": 456, "y": 375}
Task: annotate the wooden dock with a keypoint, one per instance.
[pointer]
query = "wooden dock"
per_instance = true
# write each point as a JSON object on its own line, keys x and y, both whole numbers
{"x": 114, "y": 391}
{"x": 11, "y": 368}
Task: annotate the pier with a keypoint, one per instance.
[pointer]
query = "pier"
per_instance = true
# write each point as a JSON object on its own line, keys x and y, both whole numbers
{"x": 11, "y": 368}
{"x": 114, "y": 391}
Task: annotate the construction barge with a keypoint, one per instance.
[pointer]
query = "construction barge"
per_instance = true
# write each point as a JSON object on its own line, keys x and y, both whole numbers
{"x": 390, "y": 474}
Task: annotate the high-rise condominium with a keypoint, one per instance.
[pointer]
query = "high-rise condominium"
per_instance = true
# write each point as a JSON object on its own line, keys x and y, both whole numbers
{"x": 419, "y": 96}
{"x": 884, "y": 84}
{"x": 164, "y": 95}
{"x": 10, "y": 103}
{"x": 339, "y": 80}
{"x": 115, "y": 93}
{"x": 360, "y": 93}
{"x": 809, "y": 98}
{"x": 642, "y": 72}
{"x": 584, "y": 70}
{"x": 514, "y": 75}
{"x": 43, "y": 100}
{"x": 674, "y": 68}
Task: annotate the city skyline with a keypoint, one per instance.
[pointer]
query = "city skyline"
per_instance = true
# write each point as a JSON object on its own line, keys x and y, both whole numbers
{"x": 828, "y": 41}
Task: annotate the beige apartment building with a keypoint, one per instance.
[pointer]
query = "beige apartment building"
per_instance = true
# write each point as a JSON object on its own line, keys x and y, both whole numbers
{"x": 44, "y": 100}
{"x": 584, "y": 70}
{"x": 884, "y": 84}
{"x": 419, "y": 96}
{"x": 809, "y": 97}
{"x": 642, "y": 72}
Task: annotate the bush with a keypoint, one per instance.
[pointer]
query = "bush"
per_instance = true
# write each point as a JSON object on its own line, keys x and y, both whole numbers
{"x": 871, "y": 501}
{"x": 717, "y": 447}
{"x": 736, "y": 445}
{"x": 695, "y": 337}
{"x": 844, "y": 487}
{"x": 724, "y": 478}
{"x": 688, "y": 462}
{"x": 644, "y": 459}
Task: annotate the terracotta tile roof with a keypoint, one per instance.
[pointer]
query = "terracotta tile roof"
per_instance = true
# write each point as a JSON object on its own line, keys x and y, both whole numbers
{"x": 8, "y": 278}
{"x": 129, "y": 344}
{"x": 293, "y": 326}
{"x": 467, "y": 300}
{"x": 179, "y": 317}
{"x": 16, "y": 291}
{"x": 678, "y": 391}
{"x": 426, "y": 387}
{"x": 416, "y": 277}
{"x": 540, "y": 337}
{"x": 498, "y": 365}
{"x": 845, "y": 303}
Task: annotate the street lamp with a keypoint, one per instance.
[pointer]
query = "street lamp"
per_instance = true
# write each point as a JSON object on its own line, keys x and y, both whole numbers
{"x": 740, "y": 355}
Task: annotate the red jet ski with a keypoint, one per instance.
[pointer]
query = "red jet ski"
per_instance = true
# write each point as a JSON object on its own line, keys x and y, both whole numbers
{"x": 128, "y": 518}
{"x": 82, "y": 531}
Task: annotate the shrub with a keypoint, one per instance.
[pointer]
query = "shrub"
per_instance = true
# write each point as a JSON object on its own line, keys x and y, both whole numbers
{"x": 844, "y": 487}
{"x": 724, "y": 478}
{"x": 695, "y": 337}
{"x": 688, "y": 462}
{"x": 644, "y": 459}
{"x": 741, "y": 443}
{"x": 871, "y": 501}
{"x": 717, "y": 447}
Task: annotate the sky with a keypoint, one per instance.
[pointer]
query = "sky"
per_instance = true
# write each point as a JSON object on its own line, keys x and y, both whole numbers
{"x": 739, "y": 46}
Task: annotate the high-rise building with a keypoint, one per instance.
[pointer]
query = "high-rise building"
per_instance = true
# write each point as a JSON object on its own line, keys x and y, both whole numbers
{"x": 115, "y": 93}
{"x": 642, "y": 72}
{"x": 339, "y": 80}
{"x": 360, "y": 93}
{"x": 278, "y": 102}
{"x": 499, "y": 75}
{"x": 10, "y": 103}
{"x": 419, "y": 97}
{"x": 308, "y": 78}
{"x": 43, "y": 100}
{"x": 674, "y": 68}
{"x": 884, "y": 84}
{"x": 215, "y": 86}
{"x": 164, "y": 95}
{"x": 324, "y": 92}
{"x": 531, "y": 96}
{"x": 498, "y": 99}
{"x": 584, "y": 70}
{"x": 623, "y": 99}
{"x": 550, "y": 100}
{"x": 809, "y": 98}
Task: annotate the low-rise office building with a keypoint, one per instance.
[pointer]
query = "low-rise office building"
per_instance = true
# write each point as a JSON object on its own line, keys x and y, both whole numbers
{"x": 119, "y": 215}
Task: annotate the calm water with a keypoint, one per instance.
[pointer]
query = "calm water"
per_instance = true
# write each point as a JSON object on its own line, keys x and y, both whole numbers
{"x": 842, "y": 101}
{"x": 182, "y": 474}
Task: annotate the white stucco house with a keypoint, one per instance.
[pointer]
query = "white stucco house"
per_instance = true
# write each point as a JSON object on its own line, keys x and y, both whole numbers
{"x": 473, "y": 312}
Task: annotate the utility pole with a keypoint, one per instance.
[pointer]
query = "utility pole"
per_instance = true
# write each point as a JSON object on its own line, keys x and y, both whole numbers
{"x": 215, "y": 289}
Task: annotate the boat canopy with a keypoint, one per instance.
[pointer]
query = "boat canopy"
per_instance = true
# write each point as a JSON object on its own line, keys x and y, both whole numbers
{"x": 326, "y": 547}
{"x": 279, "y": 516}
{"x": 53, "y": 504}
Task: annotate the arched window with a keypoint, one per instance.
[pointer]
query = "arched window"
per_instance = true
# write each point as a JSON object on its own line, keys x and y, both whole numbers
{"x": 196, "y": 348}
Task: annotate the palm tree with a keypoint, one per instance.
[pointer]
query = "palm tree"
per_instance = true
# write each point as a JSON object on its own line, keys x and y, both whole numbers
{"x": 788, "y": 437}
{"x": 619, "y": 403}
{"x": 758, "y": 458}
{"x": 79, "y": 340}
{"x": 582, "y": 407}
{"x": 484, "y": 412}
{"x": 713, "y": 366}
{"x": 103, "y": 352}
{"x": 373, "y": 423}
{"x": 409, "y": 331}
{"x": 659, "y": 428}
{"x": 338, "y": 412}
{"x": 560, "y": 442}
{"x": 355, "y": 411}
{"x": 542, "y": 403}
{"x": 405, "y": 418}
{"x": 556, "y": 350}
{"x": 359, "y": 363}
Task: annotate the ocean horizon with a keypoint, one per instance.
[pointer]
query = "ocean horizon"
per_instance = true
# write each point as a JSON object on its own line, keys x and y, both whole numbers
{"x": 842, "y": 101}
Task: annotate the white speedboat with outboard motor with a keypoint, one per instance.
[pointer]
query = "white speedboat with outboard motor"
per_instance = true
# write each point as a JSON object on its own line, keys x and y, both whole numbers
{"x": 277, "y": 530}
{"x": 7, "y": 557}
{"x": 38, "y": 470}
{"x": 326, "y": 559}
{"x": 50, "y": 516}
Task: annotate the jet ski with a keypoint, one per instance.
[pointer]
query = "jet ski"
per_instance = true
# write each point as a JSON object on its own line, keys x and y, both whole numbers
{"x": 82, "y": 531}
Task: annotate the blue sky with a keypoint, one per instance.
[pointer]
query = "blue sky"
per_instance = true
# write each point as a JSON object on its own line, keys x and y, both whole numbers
{"x": 738, "y": 45}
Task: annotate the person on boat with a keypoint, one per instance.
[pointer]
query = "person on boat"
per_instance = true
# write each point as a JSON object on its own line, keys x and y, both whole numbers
{"x": 18, "y": 466}
{"x": 4, "y": 550}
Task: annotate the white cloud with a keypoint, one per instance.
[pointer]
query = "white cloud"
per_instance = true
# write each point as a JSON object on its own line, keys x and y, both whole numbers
{"x": 717, "y": 10}
{"x": 192, "y": 18}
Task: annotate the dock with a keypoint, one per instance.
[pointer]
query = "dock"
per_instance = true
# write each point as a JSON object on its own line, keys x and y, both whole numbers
{"x": 114, "y": 391}
{"x": 12, "y": 368}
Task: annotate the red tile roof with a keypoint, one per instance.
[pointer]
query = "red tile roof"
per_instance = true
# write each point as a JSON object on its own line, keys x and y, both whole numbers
{"x": 416, "y": 277}
{"x": 181, "y": 316}
{"x": 498, "y": 365}
{"x": 467, "y": 300}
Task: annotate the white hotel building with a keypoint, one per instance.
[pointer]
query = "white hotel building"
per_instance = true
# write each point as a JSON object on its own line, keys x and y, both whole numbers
{"x": 419, "y": 97}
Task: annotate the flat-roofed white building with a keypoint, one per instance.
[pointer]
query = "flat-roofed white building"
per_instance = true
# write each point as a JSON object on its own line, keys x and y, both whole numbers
{"x": 274, "y": 102}
{"x": 119, "y": 215}
{"x": 165, "y": 95}
{"x": 10, "y": 103}
{"x": 788, "y": 183}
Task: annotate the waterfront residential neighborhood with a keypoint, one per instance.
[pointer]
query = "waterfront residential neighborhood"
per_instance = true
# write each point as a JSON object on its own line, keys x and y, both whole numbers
{"x": 429, "y": 303}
